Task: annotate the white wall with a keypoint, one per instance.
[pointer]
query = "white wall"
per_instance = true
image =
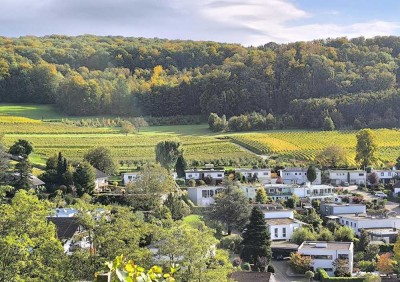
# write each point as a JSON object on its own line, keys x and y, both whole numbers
{"x": 130, "y": 177}
{"x": 277, "y": 231}
{"x": 370, "y": 222}
{"x": 204, "y": 195}
{"x": 278, "y": 214}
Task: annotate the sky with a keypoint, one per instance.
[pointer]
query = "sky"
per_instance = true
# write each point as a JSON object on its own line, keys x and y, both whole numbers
{"x": 248, "y": 22}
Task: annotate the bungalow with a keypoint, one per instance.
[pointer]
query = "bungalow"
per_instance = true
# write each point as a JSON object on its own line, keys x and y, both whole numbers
{"x": 364, "y": 221}
{"x": 324, "y": 254}
{"x": 387, "y": 176}
{"x": 328, "y": 208}
{"x": 298, "y": 176}
{"x": 101, "y": 181}
{"x": 129, "y": 177}
{"x": 203, "y": 195}
{"x": 262, "y": 174}
{"x": 285, "y": 191}
{"x": 216, "y": 176}
{"x": 340, "y": 177}
{"x": 36, "y": 183}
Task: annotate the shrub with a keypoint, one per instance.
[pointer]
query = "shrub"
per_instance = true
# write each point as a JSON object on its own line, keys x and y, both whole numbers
{"x": 192, "y": 183}
{"x": 231, "y": 242}
{"x": 325, "y": 277}
{"x": 271, "y": 268}
{"x": 246, "y": 266}
{"x": 236, "y": 262}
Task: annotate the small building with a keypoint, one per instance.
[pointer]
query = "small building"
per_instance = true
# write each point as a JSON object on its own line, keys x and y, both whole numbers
{"x": 216, "y": 176}
{"x": 36, "y": 183}
{"x": 298, "y": 176}
{"x": 203, "y": 195}
{"x": 262, "y": 174}
{"x": 67, "y": 228}
{"x": 101, "y": 181}
{"x": 354, "y": 177}
{"x": 250, "y": 190}
{"x": 279, "y": 191}
{"x": 364, "y": 221}
{"x": 324, "y": 254}
{"x": 387, "y": 176}
{"x": 328, "y": 208}
{"x": 129, "y": 177}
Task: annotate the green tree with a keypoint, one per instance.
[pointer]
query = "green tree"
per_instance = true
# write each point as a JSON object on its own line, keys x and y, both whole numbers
{"x": 309, "y": 275}
{"x": 231, "y": 207}
{"x": 181, "y": 166}
{"x": 314, "y": 219}
{"x": 24, "y": 171}
{"x": 328, "y": 124}
{"x": 363, "y": 241}
{"x": 325, "y": 235}
{"x": 30, "y": 250}
{"x": 127, "y": 127}
{"x": 366, "y": 148}
{"x": 167, "y": 153}
{"x": 217, "y": 123}
{"x": 261, "y": 196}
{"x": 332, "y": 156}
{"x": 299, "y": 263}
{"x": 344, "y": 234}
{"x": 176, "y": 206}
{"x": 311, "y": 174}
{"x": 101, "y": 158}
{"x": 256, "y": 238}
{"x": 303, "y": 234}
{"x": 341, "y": 268}
{"x": 84, "y": 177}
{"x": 21, "y": 147}
{"x": 4, "y": 165}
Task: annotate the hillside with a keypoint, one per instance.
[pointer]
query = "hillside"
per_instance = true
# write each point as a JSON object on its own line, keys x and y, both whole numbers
{"x": 354, "y": 81}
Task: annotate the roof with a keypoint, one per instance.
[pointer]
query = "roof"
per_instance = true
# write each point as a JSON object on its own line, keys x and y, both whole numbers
{"x": 284, "y": 245}
{"x": 252, "y": 169}
{"x": 66, "y": 226}
{"x": 298, "y": 169}
{"x": 281, "y": 221}
{"x": 344, "y": 170}
{"x": 382, "y": 231}
{"x": 100, "y": 174}
{"x": 310, "y": 245}
{"x": 340, "y": 204}
{"x": 396, "y": 185}
{"x": 244, "y": 276}
{"x": 203, "y": 170}
{"x": 363, "y": 216}
{"x": 36, "y": 181}
{"x": 271, "y": 207}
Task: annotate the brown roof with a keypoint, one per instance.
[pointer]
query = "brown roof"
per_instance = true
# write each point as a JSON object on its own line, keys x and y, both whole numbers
{"x": 243, "y": 276}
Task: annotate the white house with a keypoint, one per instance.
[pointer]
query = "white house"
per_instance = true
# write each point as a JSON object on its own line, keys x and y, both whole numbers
{"x": 386, "y": 176}
{"x": 281, "y": 222}
{"x": 203, "y": 195}
{"x": 101, "y": 181}
{"x": 216, "y": 175}
{"x": 298, "y": 176}
{"x": 328, "y": 208}
{"x": 324, "y": 254}
{"x": 263, "y": 174}
{"x": 250, "y": 190}
{"x": 129, "y": 177}
{"x": 396, "y": 188}
{"x": 285, "y": 191}
{"x": 340, "y": 177}
{"x": 279, "y": 191}
{"x": 363, "y": 221}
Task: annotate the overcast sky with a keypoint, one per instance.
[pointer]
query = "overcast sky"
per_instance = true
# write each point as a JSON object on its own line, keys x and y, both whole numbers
{"x": 249, "y": 22}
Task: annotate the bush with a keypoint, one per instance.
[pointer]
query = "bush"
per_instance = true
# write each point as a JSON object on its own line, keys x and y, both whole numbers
{"x": 271, "y": 268}
{"x": 246, "y": 266}
{"x": 326, "y": 278}
{"x": 192, "y": 183}
{"x": 236, "y": 262}
{"x": 231, "y": 242}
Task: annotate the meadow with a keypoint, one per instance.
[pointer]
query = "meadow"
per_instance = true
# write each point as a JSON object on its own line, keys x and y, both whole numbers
{"x": 51, "y": 136}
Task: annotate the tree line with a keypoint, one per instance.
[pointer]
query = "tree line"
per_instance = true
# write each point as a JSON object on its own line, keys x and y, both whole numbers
{"x": 351, "y": 81}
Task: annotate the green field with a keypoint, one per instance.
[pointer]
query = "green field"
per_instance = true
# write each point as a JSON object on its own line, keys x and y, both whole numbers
{"x": 51, "y": 137}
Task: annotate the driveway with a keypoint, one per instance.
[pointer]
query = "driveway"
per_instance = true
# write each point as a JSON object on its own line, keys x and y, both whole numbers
{"x": 280, "y": 272}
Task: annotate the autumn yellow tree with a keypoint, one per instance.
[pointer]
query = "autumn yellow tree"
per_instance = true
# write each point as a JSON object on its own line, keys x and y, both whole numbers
{"x": 385, "y": 264}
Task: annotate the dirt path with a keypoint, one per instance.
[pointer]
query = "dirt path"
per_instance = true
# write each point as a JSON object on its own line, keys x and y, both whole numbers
{"x": 264, "y": 157}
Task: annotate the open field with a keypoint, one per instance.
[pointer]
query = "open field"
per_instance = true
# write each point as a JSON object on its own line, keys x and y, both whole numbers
{"x": 49, "y": 138}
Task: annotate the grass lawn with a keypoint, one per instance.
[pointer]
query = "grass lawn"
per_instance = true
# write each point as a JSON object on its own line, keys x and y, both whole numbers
{"x": 192, "y": 218}
{"x": 30, "y": 111}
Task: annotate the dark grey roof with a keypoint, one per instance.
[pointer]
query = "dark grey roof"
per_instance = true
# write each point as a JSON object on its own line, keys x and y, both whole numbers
{"x": 66, "y": 226}
{"x": 100, "y": 174}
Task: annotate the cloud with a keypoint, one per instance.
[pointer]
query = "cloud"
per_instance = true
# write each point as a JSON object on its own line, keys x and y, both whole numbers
{"x": 250, "y": 22}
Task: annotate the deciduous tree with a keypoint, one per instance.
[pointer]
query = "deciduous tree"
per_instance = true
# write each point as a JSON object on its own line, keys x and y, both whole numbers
{"x": 167, "y": 153}
{"x": 101, "y": 158}
{"x": 366, "y": 148}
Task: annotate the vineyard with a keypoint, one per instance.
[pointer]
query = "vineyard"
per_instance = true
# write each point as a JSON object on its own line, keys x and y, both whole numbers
{"x": 305, "y": 145}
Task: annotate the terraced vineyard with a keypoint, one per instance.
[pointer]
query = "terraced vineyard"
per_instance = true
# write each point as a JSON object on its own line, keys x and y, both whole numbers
{"x": 305, "y": 145}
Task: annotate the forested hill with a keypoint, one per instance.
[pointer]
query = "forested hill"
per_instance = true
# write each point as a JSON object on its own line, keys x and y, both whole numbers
{"x": 352, "y": 81}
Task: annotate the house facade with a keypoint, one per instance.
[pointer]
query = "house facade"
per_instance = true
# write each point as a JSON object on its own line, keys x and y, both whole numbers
{"x": 386, "y": 176}
{"x": 286, "y": 191}
{"x": 281, "y": 223}
{"x": 101, "y": 181}
{"x": 352, "y": 177}
{"x": 129, "y": 177}
{"x": 203, "y": 195}
{"x": 263, "y": 174}
{"x": 328, "y": 208}
{"x": 215, "y": 175}
{"x": 363, "y": 221}
{"x": 298, "y": 176}
{"x": 324, "y": 254}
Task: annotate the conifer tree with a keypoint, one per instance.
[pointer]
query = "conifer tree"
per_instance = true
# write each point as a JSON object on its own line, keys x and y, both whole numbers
{"x": 256, "y": 238}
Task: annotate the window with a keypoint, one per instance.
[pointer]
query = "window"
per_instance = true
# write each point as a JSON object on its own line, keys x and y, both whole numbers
{"x": 190, "y": 176}
{"x": 204, "y": 193}
{"x": 382, "y": 173}
{"x": 276, "y": 232}
{"x": 265, "y": 173}
{"x": 284, "y": 232}
{"x": 361, "y": 174}
{"x": 389, "y": 174}
{"x": 328, "y": 269}
{"x": 211, "y": 193}
{"x": 321, "y": 257}
{"x": 219, "y": 175}
{"x": 347, "y": 222}
{"x": 130, "y": 177}
{"x": 295, "y": 173}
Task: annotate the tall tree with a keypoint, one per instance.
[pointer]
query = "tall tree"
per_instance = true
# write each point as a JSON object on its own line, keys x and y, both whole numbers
{"x": 101, "y": 158}
{"x": 256, "y": 238}
{"x": 231, "y": 207}
{"x": 21, "y": 147}
{"x": 176, "y": 206}
{"x": 24, "y": 170}
{"x": 4, "y": 165}
{"x": 167, "y": 153}
{"x": 332, "y": 156}
{"x": 261, "y": 196}
{"x": 84, "y": 177}
{"x": 366, "y": 148}
{"x": 181, "y": 166}
{"x": 127, "y": 127}
{"x": 311, "y": 174}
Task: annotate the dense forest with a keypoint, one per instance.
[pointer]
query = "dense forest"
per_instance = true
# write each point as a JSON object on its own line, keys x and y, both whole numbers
{"x": 351, "y": 81}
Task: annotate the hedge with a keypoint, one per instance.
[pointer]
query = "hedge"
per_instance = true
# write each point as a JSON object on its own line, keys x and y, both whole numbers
{"x": 326, "y": 278}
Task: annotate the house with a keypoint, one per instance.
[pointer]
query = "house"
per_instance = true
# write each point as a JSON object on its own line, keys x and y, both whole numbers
{"x": 286, "y": 191}
{"x": 36, "y": 183}
{"x": 324, "y": 254}
{"x": 263, "y": 174}
{"x": 387, "y": 235}
{"x": 386, "y": 176}
{"x": 298, "y": 176}
{"x": 328, "y": 208}
{"x": 216, "y": 176}
{"x": 250, "y": 190}
{"x": 280, "y": 221}
{"x": 101, "y": 181}
{"x": 341, "y": 177}
{"x": 364, "y": 221}
{"x": 279, "y": 191}
{"x": 67, "y": 228}
{"x": 203, "y": 195}
{"x": 129, "y": 177}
